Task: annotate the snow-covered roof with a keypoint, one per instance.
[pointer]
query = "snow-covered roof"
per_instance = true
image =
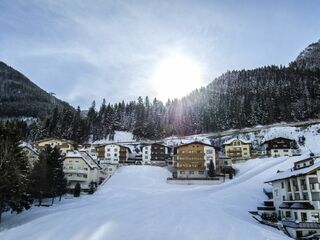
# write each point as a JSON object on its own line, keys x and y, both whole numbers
{"x": 294, "y": 173}
{"x": 55, "y": 139}
{"x": 195, "y": 142}
{"x": 270, "y": 139}
{"x": 29, "y": 146}
{"x": 85, "y": 156}
{"x": 236, "y": 139}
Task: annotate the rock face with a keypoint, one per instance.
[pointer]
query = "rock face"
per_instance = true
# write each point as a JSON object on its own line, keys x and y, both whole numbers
{"x": 310, "y": 57}
{"x": 19, "y": 97}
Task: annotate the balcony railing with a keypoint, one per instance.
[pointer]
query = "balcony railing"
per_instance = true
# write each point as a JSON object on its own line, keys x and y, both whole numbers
{"x": 306, "y": 225}
{"x": 76, "y": 178}
{"x": 75, "y": 171}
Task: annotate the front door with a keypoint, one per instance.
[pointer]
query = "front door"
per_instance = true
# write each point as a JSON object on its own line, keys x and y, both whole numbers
{"x": 299, "y": 234}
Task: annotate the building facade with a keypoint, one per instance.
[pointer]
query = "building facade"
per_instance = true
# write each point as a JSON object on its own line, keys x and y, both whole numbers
{"x": 237, "y": 148}
{"x": 280, "y": 147}
{"x": 64, "y": 145}
{"x": 155, "y": 153}
{"x": 113, "y": 153}
{"x": 80, "y": 167}
{"x": 192, "y": 160}
{"x": 296, "y": 197}
{"x": 31, "y": 153}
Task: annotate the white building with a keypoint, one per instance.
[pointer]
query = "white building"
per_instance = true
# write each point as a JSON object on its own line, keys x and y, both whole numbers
{"x": 31, "y": 153}
{"x": 237, "y": 148}
{"x": 79, "y": 166}
{"x": 296, "y": 197}
{"x": 280, "y": 147}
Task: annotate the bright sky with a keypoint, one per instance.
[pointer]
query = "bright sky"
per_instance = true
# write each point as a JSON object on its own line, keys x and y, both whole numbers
{"x": 88, "y": 50}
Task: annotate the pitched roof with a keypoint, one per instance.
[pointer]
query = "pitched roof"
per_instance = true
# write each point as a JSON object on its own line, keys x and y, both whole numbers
{"x": 271, "y": 139}
{"x": 29, "y": 146}
{"x": 121, "y": 145}
{"x": 58, "y": 139}
{"x": 234, "y": 139}
{"x": 195, "y": 142}
{"x": 295, "y": 173}
{"x": 85, "y": 156}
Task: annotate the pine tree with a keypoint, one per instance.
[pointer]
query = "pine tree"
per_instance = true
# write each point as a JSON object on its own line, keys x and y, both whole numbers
{"x": 58, "y": 181}
{"x": 47, "y": 176}
{"x": 77, "y": 190}
{"x": 211, "y": 170}
{"x": 14, "y": 171}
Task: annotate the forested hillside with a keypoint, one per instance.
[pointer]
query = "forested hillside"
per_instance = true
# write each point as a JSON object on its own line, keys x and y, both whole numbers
{"x": 19, "y": 97}
{"x": 237, "y": 99}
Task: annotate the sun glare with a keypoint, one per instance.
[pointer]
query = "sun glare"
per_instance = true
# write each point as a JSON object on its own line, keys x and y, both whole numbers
{"x": 176, "y": 76}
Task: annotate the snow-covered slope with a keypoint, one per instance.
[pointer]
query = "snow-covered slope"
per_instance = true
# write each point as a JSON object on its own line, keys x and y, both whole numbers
{"x": 118, "y": 136}
{"x": 137, "y": 203}
{"x": 260, "y": 134}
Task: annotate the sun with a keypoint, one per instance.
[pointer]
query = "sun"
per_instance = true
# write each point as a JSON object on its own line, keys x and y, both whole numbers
{"x": 176, "y": 76}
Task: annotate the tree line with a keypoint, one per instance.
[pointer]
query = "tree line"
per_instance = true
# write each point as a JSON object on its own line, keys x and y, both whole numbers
{"x": 21, "y": 185}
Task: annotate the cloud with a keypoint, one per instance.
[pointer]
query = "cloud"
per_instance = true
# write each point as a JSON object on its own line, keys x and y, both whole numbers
{"x": 89, "y": 50}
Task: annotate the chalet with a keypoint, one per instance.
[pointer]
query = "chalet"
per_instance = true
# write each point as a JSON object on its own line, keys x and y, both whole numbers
{"x": 193, "y": 159}
{"x": 113, "y": 153}
{"x": 80, "y": 167}
{"x": 62, "y": 144}
{"x": 237, "y": 148}
{"x": 31, "y": 153}
{"x": 280, "y": 147}
{"x": 155, "y": 153}
{"x": 296, "y": 197}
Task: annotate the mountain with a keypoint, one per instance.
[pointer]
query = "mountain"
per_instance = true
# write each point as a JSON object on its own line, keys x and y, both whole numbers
{"x": 236, "y": 99}
{"x": 19, "y": 97}
{"x": 310, "y": 57}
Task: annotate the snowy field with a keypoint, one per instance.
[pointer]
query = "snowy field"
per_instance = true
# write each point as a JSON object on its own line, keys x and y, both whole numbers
{"x": 137, "y": 203}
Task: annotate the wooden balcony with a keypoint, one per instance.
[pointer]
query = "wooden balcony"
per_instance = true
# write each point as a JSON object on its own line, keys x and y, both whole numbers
{"x": 190, "y": 164}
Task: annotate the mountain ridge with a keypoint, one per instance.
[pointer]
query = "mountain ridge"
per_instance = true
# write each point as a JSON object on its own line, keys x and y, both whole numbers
{"x": 20, "y": 97}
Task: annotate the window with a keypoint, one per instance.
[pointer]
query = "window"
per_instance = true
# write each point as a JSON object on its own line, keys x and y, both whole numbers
{"x": 110, "y": 169}
{"x": 146, "y": 157}
{"x": 275, "y": 150}
{"x": 209, "y": 151}
{"x": 282, "y": 184}
{"x": 116, "y": 154}
{"x": 285, "y": 150}
{"x": 182, "y": 172}
{"x": 70, "y": 167}
{"x": 85, "y": 168}
{"x": 85, "y": 175}
{"x": 288, "y": 214}
{"x": 245, "y": 148}
{"x": 303, "y": 216}
{"x": 108, "y": 149}
{"x": 146, "y": 152}
{"x": 295, "y": 216}
{"x": 191, "y": 172}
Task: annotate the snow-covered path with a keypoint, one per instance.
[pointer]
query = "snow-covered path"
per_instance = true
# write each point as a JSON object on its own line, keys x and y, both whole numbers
{"x": 137, "y": 203}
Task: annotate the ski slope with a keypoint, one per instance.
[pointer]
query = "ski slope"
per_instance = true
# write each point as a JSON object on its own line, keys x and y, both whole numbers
{"x": 137, "y": 203}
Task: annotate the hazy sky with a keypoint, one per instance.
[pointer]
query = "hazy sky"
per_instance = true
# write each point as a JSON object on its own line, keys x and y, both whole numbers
{"x": 88, "y": 50}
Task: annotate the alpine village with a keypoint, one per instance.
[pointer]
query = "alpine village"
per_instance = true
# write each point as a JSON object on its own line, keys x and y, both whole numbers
{"x": 247, "y": 145}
